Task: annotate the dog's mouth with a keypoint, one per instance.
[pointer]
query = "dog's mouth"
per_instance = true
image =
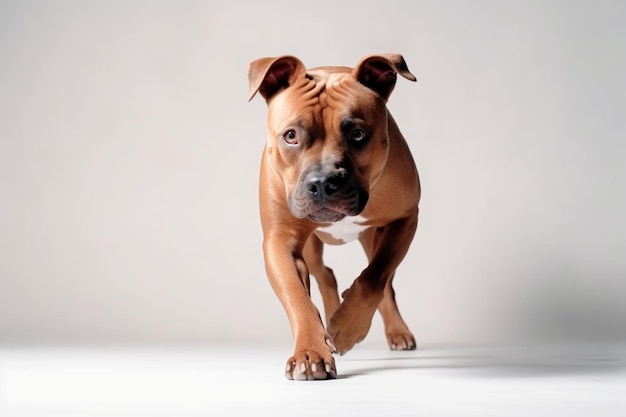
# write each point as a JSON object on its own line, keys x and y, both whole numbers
{"x": 326, "y": 215}
{"x": 326, "y": 198}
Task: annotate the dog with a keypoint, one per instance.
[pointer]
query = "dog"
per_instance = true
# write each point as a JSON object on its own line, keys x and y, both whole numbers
{"x": 335, "y": 168}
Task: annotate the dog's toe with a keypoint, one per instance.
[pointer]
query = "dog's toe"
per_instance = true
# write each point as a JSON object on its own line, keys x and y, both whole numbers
{"x": 308, "y": 366}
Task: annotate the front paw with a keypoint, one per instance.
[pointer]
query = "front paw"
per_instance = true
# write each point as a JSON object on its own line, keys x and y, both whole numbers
{"x": 351, "y": 322}
{"x": 308, "y": 365}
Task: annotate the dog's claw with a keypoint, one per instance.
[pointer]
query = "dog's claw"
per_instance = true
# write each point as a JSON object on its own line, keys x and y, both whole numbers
{"x": 288, "y": 370}
{"x": 332, "y": 347}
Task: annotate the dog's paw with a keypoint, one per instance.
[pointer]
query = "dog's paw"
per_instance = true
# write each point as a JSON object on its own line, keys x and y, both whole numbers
{"x": 351, "y": 322}
{"x": 308, "y": 365}
{"x": 401, "y": 340}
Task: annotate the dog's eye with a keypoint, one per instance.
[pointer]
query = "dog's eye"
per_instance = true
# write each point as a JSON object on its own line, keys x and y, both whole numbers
{"x": 358, "y": 134}
{"x": 290, "y": 137}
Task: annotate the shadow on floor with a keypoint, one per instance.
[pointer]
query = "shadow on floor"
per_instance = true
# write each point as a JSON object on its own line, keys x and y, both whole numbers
{"x": 503, "y": 362}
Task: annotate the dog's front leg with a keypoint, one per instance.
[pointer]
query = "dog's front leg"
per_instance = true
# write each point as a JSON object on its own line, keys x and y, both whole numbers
{"x": 352, "y": 320}
{"x": 289, "y": 277}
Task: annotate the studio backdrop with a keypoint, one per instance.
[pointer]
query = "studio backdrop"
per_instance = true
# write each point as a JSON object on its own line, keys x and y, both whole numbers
{"x": 129, "y": 167}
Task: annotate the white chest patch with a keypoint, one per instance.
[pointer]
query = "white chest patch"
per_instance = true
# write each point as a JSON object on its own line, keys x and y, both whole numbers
{"x": 346, "y": 229}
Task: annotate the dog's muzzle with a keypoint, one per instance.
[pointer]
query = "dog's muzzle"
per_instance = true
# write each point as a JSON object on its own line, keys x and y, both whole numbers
{"x": 325, "y": 197}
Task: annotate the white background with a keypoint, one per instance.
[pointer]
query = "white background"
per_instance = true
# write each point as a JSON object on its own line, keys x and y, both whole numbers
{"x": 129, "y": 165}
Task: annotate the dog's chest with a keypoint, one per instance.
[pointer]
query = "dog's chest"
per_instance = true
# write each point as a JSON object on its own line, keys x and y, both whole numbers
{"x": 343, "y": 231}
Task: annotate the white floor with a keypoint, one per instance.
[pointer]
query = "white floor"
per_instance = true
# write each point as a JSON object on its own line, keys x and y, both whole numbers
{"x": 512, "y": 381}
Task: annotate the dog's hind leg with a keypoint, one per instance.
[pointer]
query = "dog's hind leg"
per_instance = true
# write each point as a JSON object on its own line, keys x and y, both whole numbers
{"x": 399, "y": 337}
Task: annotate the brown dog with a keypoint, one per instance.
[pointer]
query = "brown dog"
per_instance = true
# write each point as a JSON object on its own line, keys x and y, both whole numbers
{"x": 335, "y": 168}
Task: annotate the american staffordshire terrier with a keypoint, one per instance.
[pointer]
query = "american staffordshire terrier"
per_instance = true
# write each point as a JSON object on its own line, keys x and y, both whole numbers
{"x": 335, "y": 168}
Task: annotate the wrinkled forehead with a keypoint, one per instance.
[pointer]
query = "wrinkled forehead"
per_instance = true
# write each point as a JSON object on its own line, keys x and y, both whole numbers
{"x": 335, "y": 93}
{"x": 337, "y": 85}
{"x": 330, "y": 75}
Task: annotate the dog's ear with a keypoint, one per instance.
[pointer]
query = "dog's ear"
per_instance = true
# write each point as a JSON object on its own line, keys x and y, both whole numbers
{"x": 270, "y": 75}
{"x": 378, "y": 72}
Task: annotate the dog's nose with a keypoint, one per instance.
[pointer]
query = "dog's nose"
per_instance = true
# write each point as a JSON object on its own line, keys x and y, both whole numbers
{"x": 322, "y": 186}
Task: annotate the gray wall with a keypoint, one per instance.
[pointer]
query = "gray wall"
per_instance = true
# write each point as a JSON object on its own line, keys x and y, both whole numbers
{"x": 129, "y": 165}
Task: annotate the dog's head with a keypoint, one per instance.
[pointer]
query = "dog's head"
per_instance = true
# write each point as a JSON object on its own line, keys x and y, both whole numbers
{"x": 327, "y": 127}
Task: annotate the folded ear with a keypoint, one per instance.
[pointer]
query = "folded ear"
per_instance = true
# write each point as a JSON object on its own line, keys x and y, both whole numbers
{"x": 270, "y": 75}
{"x": 378, "y": 72}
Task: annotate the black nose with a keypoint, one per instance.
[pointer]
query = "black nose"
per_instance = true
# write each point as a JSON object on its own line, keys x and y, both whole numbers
{"x": 322, "y": 186}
